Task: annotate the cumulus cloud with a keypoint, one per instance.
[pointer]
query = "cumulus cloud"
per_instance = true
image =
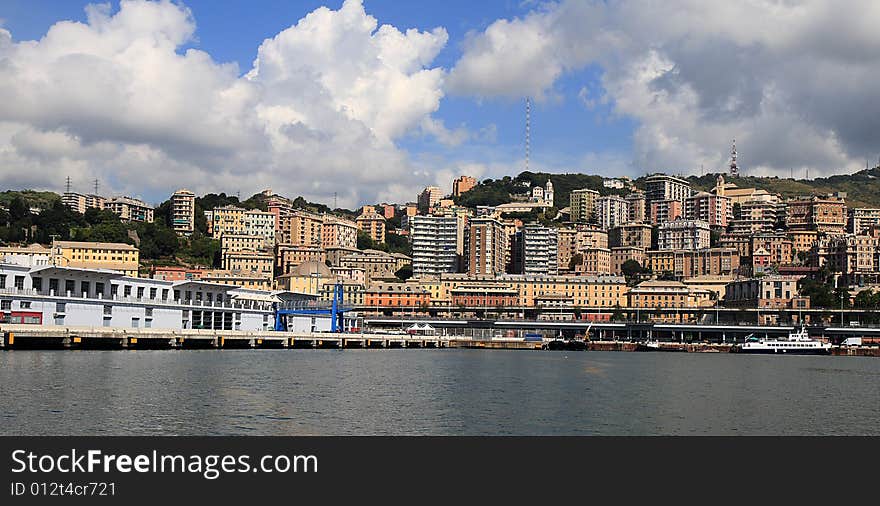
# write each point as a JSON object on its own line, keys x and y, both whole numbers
{"x": 119, "y": 99}
{"x": 793, "y": 81}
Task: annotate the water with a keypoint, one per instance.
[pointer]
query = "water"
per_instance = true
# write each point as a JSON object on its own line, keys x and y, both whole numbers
{"x": 432, "y": 392}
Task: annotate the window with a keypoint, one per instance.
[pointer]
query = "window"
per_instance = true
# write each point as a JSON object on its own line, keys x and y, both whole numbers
{"x": 126, "y": 291}
{"x": 19, "y": 282}
{"x": 25, "y": 304}
{"x": 176, "y": 294}
{"x": 108, "y": 310}
{"x": 165, "y": 294}
{"x": 153, "y": 292}
{"x": 84, "y": 287}
{"x": 99, "y": 288}
{"x": 135, "y": 322}
{"x": 69, "y": 286}
{"x": 60, "y": 307}
{"x": 53, "y": 285}
{"x": 6, "y": 305}
{"x": 140, "y": 292}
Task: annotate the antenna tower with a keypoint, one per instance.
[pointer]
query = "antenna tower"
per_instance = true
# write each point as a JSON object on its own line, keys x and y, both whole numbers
{"x": 68, "y": 184}
{"x": 528, "y": 128}
{"x": 734, "y": 170}
{"x": 96, "y": 186}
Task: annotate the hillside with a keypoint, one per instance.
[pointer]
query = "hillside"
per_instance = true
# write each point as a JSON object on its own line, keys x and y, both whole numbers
{"x": 862, "y": 188}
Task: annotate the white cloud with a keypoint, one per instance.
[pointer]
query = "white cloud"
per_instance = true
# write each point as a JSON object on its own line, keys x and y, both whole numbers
{"x": 117, "y": 99}
{"x": 793, "y": 81}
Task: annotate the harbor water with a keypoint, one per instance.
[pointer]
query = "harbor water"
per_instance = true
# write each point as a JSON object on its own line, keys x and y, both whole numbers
{"x": 434, "y": 392}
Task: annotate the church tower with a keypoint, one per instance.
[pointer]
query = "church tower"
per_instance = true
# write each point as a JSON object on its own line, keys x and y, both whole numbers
{"x": 548, "y": 192}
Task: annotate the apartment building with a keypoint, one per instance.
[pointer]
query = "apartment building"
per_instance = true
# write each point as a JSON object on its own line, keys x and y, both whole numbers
{"x": 487, "y": 247}
{"x": 539, "y": 254}
{"x": 463, "y": 184}
{"x": 566, "y": 247}
{"x": 130, "y": 209}
{"x": 757, "y": 216}
{"x": 119, "y": 257}
{"x": 227, "y": 220}
{"x": 583, "y": 205}
{"x": 183, "y": 212}
{"x": 713, "y": 209}
{"x": 636, "y": 207}
{"x": 668, "y": 294}
{"x": 691, "y": 263}
{"x": 396, "y": 295}
{"x": 861, "y": 220}
{"x": 636, "y": 235}
{"x": 80, "y": 203}
{"x": 372, "y": 223}
{"x": 569, "y": 291}
{"x": 338, "y": 232}
{"x": 666, "y": 210}
{"x": 428, "y": 198}
{"x": 822, "y": 214}
{"x": 766, "y": 292}
{"x": 683, "y": 234}
{"x": 248, "y": 279}
{"x": 777, "y": 246}
{"x": 302, "y": 228}
{"x": 611, "y": 211}
{"x": 434, "y": 243}
{"x": 662, "y": 187}
{"x": 249, "y": 261}
{"x": 597, "y": 261}
{"x": 375, "y": 264}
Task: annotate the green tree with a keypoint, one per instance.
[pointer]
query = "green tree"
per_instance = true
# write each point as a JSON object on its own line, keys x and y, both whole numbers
{"x": 631, "y": 268}
{"x": 364, "y": 241}
{"x": 404, "y": 272}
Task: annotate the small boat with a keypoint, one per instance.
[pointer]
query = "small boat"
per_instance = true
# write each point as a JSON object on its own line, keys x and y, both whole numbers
{"x": 797, "y": 343}
{"x": 655, "y": 346}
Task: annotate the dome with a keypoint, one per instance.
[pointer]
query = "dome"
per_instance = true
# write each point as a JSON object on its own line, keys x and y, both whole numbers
{"x": 312, "y": 267}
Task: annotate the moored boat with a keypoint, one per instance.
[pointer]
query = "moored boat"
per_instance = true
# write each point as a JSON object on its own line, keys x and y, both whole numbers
{"x": 797, "y": 343}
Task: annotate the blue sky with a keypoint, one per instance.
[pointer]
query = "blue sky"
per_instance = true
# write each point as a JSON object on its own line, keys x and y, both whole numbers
{"x": 563, "y": 132}
{"x": 620, "y": 88}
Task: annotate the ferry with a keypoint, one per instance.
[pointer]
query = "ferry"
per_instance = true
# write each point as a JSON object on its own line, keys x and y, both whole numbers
{"x": 797, "y": 343}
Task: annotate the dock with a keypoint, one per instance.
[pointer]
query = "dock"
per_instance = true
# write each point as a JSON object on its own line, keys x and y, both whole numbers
{"x": 16, "y": 337}
{"x": 23, "y": 337}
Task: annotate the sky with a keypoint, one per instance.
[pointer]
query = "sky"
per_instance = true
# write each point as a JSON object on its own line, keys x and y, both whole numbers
{"x": 371, "y": 100}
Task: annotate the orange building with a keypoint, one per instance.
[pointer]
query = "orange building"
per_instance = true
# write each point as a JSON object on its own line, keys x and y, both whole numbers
{"x": 463, "y": 184}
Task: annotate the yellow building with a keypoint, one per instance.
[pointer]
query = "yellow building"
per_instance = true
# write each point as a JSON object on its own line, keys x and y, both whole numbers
{"x": 581, "y": 291}
{"x": 308, "y": 277}
{"x": 249, "y": 261}
{"x": 241, "y": 279}
{"x": 113, "y": 256}
{"x": 667, "y": 294}
{"x": 372, "y": 223}
{"x": 227, "y": 220}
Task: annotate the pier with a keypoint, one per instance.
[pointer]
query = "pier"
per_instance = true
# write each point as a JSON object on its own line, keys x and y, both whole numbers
{"x": 610, "y": 337}
{"x": 13, "y": 337}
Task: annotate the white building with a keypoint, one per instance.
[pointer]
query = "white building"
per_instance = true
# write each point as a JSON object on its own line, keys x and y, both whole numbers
{"x": 49, "y": 295}
{"x": 611, "y": 211}
{"x": 434, "y": 244}
{"x": 539, "y": 250}
{"x": 684, "y": 235}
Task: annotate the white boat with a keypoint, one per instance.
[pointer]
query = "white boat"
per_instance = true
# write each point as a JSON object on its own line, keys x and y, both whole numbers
{"x": 797, "y": 343}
